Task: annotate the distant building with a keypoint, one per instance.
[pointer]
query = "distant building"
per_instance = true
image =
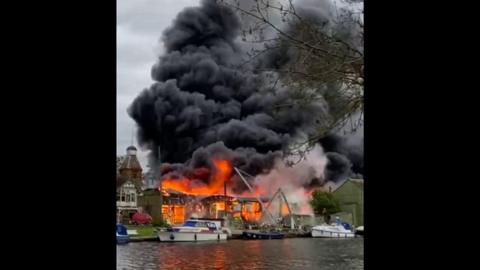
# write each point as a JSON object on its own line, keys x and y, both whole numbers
{"x": 129, "y": 183}
{"x": 350, "y": 197}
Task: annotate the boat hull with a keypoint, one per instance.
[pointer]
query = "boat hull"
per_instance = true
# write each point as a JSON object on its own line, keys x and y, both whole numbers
{"x": 123, "y": 239}
{"x": 261, "y": 236}
{"x": 122, "y": 234}
{"x": 190, "y": 236}
{"x": 331, "y": 234}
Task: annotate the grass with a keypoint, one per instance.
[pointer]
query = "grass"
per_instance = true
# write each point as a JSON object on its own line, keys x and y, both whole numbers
{"x": 143, "y": 231}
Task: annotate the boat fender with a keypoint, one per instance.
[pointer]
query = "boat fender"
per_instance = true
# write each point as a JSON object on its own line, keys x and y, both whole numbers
{"x": 195, "y": 236}
{"x": 218, "y": 236}
{"x": 172, "y": 237}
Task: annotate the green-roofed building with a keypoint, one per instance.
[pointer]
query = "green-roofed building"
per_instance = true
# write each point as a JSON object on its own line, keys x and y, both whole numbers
{"x": 350, "y": 198}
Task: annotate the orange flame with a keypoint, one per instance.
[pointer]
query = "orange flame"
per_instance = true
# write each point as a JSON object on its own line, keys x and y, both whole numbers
{"x": 220, "y": 206}
{"x": 285, "y": 210}
{"x": 252, "y": 212}
{"x": 223, "y": 172}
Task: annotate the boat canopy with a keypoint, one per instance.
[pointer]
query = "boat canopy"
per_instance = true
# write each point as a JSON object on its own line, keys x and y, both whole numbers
{"x": 121, "y": 229}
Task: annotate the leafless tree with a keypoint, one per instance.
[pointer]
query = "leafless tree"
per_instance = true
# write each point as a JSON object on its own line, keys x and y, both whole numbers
{"x": 325, "y": 56}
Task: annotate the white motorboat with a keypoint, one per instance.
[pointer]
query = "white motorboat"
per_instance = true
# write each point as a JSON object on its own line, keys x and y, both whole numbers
{"x": 194, "y": 230}
{"x": 332, "y": 231}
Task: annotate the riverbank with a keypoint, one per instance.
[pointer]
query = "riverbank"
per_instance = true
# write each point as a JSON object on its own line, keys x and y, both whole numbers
{"x": 143, "y": 233}
{"x": 149, "y": 233}
{"x": 144, "y": 238}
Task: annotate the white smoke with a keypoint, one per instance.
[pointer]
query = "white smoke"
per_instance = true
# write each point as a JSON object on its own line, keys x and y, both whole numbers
{"x": 294, "y": 180}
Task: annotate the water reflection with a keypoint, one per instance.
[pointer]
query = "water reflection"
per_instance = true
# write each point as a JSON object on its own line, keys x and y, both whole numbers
{"x": 298, "y": 253}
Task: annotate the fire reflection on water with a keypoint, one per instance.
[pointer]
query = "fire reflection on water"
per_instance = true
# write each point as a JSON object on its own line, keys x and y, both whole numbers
{"x": 292, "y": 253}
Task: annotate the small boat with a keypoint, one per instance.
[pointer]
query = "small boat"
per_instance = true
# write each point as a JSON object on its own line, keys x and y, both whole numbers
{"x": 122, "y": 234}
{"x": 194, "y": 230}
{"x": 342, "y": 230}
{"x": 262, "y": 235}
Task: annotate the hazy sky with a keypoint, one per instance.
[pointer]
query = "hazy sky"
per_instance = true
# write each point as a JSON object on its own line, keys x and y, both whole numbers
{"x": 140, "y": 24}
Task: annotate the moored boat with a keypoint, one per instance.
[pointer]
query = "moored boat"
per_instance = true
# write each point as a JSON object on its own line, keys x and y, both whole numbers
{"x": 332, "y": 231}
{"x": 122, "y": 234}
{"x": 194, "y": 230}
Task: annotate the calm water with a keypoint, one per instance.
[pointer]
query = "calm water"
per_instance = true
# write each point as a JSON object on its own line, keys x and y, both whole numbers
{"x": 291, "y": 253}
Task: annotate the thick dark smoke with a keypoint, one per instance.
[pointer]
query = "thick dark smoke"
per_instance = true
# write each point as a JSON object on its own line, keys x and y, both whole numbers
{"x": 345, "y": 155}
{"x": 338, "y": 167}
{"x": 202, "y": 106}
{"x": 344, "y": 152}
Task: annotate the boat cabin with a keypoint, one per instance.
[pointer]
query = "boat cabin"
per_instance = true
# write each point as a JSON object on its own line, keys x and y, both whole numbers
{"x": 210, "y": 224}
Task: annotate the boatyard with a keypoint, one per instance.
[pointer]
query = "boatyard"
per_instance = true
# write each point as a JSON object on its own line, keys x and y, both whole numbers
{"x": 135, "y": 237}
{"x": 243, "y": 134}
{"x": 209, "y": 213}
{"x": 191, "y": 213}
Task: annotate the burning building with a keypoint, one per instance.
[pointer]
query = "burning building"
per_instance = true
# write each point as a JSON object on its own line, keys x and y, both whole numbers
{"x": 209, "y": 111}
{"x": 177, "y": 207}
{"x": 172, "y": 207}
{"x": 181, "y": 197}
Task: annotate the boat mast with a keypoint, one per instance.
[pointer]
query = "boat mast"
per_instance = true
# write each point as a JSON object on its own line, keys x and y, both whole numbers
{"x": 264, "y": 209}
{"x": 292, "y": 221}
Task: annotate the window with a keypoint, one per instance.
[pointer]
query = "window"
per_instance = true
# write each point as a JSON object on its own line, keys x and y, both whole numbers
{"x": 190, "y": 223}
{"x": 211, "y": 225}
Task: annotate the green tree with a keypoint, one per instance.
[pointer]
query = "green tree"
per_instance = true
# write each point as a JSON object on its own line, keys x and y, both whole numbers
{"x": 321, "y": 200}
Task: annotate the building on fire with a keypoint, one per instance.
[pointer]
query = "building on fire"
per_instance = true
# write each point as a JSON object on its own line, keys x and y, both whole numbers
{"x": 177, "y": 207}
{"x": 172, "y": 206}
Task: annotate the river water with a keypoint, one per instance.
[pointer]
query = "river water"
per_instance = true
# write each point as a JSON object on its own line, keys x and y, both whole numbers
{"x": 290, "y": 253}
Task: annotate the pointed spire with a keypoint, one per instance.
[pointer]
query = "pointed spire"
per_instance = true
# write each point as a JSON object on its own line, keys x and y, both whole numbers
{"x": 133, "y": 134}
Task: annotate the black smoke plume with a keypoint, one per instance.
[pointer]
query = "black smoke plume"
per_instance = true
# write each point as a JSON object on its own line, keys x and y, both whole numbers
{"x": 344, "y": 154}
{"x": 202, "y": 106}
